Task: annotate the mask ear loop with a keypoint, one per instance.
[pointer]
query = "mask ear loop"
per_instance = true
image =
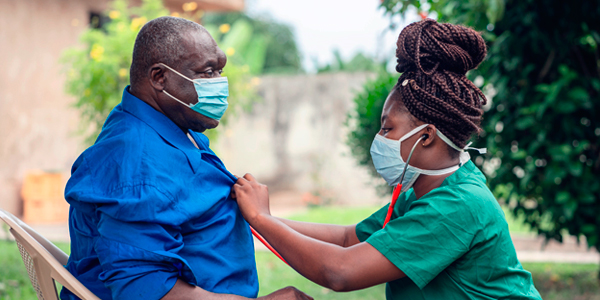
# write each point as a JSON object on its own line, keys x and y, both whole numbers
{"x": 188, "y": 105}
{"x": 398, "y": 188}
{"x": 177, "y": 72}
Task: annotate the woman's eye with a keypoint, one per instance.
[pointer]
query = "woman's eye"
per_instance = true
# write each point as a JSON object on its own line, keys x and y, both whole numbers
{"x": 209, "y": 73}
{"x": 220, "y": 71}
{"x": 385, "y": 130}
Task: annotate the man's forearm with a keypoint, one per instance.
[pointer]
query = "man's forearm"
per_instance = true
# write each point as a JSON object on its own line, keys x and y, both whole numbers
{"x": 184, "y": 291}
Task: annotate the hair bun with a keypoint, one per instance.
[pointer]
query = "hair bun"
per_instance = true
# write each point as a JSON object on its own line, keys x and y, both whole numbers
{"x": 429, "y": 46}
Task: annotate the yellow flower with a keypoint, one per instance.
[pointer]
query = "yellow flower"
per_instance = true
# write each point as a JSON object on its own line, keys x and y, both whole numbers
{"x": 114, "y": 14}
{"x": 224, "y": 28}
{"x": 175, "y": 14}
{"x": 190, "y": 6}
{"x": 136, "y": 23}
{"x": 96, "y": 52}
{"x": 230, "y": 51}
{"x": 122, "y": 72}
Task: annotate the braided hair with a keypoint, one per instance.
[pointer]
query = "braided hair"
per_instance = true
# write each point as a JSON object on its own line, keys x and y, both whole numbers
{"x": 433, "y": 59}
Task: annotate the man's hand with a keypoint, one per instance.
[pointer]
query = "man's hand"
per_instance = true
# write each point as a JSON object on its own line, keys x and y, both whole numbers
{"x": 252, "y": 197}
{"x": 289, "y": 292}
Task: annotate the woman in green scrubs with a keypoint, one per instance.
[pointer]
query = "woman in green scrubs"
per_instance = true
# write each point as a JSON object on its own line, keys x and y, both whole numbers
{"x": 447, "y": 237}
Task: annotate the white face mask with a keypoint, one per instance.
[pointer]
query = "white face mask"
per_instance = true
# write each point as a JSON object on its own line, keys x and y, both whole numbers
{"x": 391, "y": 166}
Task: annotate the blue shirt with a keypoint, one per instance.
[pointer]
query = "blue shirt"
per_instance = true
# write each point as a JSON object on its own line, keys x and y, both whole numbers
{"x": 148, "y": 207}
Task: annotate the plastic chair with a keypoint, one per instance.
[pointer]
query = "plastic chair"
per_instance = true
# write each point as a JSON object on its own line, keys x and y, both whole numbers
{"x": 44, "y": 261}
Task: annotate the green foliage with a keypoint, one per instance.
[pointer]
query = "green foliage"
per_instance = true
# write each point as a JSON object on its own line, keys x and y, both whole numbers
{"x": 358, "y": 63}
{"x": 98, "y": 71}
{"x": 365, "y": 121}
{"x": 542, "y": 128}
{"x": 260, "y": 38}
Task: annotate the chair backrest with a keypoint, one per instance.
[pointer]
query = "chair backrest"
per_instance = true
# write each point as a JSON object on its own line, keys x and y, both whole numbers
{"x": 44, "y": 261}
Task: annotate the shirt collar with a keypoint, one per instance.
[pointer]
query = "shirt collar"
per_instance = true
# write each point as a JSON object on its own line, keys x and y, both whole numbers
{"x": 467, "y": 169}
{"x": 170, "y": 132}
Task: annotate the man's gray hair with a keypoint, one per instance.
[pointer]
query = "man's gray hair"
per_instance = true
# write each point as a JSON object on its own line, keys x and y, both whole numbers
{"x": 160, "y": 40}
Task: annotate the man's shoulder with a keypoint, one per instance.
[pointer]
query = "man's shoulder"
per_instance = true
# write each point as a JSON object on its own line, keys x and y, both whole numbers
{"x": 123, "y": 146}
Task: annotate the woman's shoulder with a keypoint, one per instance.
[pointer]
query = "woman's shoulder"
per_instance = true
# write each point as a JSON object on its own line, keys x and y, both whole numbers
{"x": 466, "y": 191}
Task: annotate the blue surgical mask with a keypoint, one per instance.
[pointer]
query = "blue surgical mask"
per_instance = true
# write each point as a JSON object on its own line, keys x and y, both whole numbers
{"x": 390, "y": 165}
{"x": 212, "y": 95}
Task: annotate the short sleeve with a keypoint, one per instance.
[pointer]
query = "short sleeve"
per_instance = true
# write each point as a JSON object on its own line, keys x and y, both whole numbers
{"x": 436, "y": 230}
{"x": 139, "y": 259}
{"x": 370, "y": 225}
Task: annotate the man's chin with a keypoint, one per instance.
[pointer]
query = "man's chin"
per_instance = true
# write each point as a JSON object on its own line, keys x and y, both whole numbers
{"x": 201, "y": 127}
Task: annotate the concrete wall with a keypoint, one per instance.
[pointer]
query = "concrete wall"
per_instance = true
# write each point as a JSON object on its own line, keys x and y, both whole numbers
{"x": 294, "y": 140}
{"x": 37, "y": 127}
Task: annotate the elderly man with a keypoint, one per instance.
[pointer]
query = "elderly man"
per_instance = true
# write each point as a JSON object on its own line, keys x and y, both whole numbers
{"x": 151, "y": 215}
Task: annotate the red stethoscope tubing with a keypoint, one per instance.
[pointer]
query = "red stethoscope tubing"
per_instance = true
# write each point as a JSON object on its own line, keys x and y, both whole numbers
{"x": 391, "y": 207}
{"x": 262, "y": 240}
{"x": 399, "y": 186}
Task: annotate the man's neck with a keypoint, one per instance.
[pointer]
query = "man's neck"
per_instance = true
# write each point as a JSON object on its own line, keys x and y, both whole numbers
{"x": 144, "y": 95}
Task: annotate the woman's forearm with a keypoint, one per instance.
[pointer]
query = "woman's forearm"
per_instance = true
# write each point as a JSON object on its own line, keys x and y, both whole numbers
{"x": 330, "y": 265}
{"x": 298, "y": 249}
{"x": 344, "y": 236}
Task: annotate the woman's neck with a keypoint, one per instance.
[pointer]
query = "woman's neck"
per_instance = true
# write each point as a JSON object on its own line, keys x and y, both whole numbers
{"x": 426, "y": 183}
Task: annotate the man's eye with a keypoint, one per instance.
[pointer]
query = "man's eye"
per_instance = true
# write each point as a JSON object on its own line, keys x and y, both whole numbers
{"x": 220, "y": 71}
{"x": 209, "y": 73}
{"x": 385, "y": 130}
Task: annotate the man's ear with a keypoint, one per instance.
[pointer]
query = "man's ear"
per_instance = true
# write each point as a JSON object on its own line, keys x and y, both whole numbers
{"x": 429, "y": 135}
{"x": 156, "y": 75}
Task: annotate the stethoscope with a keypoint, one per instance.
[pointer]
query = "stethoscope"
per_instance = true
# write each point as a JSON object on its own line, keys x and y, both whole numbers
{"x": 398, "y": 187}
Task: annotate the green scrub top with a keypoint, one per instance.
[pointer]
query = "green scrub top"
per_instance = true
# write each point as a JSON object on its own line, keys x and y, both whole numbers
{"x": 452, "y": 243}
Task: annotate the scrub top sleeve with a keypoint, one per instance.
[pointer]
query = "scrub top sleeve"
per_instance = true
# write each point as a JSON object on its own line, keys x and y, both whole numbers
{"x": 436, "y": 230}
{"x": 140, "y": 259}
{"x": 373, "y": 223}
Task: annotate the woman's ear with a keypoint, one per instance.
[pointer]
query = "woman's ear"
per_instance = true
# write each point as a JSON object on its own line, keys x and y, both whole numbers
{"x": 156, "y": 75}
{"x": 429, "y": 135}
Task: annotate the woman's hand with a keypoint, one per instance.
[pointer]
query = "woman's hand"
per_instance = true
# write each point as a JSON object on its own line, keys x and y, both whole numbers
{"x": 252, "y": 197}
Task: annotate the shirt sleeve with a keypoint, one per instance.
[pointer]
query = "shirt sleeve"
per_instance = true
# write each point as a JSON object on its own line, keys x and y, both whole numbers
{"x": 370, "y": 225}
{"x": 436, "y": 230}
{"x": 139, "y": 259}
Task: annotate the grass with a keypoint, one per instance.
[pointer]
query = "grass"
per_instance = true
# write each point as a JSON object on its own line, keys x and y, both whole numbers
{"x": 335, "y": 214}
{"x": 555, "y": 281}
{"x": 14, "y": 281}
